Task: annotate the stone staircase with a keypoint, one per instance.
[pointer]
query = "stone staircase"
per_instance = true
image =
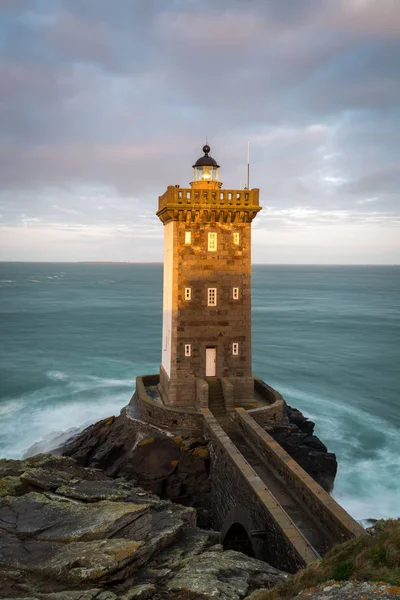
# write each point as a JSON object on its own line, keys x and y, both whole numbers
{"x": 215, "y": 397}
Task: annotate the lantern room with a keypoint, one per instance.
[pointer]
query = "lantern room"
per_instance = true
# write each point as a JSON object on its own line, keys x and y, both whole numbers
{"x": 206, "y": 171}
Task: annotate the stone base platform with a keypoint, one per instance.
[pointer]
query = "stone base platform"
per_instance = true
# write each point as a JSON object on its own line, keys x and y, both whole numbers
{"x": 266, "y": 407}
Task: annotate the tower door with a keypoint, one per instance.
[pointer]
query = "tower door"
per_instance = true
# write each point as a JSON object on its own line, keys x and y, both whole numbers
{"x": 211, "y": 359}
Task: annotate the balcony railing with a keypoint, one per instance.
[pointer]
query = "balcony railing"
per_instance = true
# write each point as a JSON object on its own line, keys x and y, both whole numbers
{"x": 218, "y": 198}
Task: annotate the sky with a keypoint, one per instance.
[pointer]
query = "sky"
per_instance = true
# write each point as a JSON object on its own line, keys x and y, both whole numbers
{"x": 103, "y": 103}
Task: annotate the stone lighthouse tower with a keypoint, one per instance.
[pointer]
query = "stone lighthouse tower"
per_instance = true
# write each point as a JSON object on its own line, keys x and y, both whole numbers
{"x": 207, "y": 287}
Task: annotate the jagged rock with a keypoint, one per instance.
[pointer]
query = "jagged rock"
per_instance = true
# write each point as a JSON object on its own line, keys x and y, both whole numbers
{"x": 95, "y": 594}
{"x": 140, "y": 592}
{"x": 227, "y": 576}
{"x": 96, "y": 538}
{"x": 171, "y": 466}
{"x": 298, "y": 439}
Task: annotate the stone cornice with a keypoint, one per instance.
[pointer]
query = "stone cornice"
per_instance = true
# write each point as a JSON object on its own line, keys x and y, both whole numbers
{"x": 208, "y": 206}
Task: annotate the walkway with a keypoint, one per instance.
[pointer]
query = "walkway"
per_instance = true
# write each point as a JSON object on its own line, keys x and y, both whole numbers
{"x": 317, "y": 535}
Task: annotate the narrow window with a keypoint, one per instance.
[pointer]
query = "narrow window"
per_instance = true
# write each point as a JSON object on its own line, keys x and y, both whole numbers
{"x": 188, "y": 195}
{"x": 212, "y": 242}
{"x": 188, "y": 293}
{"x": 212, "y": 297}
{"x": 188, "y": 350}
{"x": 179, "y": 194}
{"x": 235, "y": 348}
{"x": 188, "y": 237}
{"x": 236, "y": 238}
{"x": 235, "y": 293}
{"x": 229, "y": 195}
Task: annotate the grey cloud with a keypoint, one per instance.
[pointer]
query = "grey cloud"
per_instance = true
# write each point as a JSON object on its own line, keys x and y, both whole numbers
{"x": 117, "y": 98}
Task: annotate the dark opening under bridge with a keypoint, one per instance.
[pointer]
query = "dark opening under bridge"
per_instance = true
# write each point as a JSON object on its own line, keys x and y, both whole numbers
{"x": 263, "y": 501}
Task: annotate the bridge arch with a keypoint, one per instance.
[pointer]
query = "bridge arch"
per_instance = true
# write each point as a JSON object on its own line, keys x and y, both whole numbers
{"x": 236, "y": 533}
{"x": 236, "y": 538}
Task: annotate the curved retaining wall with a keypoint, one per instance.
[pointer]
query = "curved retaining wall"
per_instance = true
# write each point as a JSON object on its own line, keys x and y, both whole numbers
{"x": 174, "y": 419}
{"x": 187, "y": 419}
{"x": 272, "y": 414}
{"x": 324, "y": 508}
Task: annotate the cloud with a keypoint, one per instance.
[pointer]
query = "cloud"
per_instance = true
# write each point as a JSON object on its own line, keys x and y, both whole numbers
{"x": 112, "y": 102}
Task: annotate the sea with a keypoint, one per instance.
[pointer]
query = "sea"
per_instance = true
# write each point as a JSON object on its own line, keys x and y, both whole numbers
{"x": 74, "y": 337}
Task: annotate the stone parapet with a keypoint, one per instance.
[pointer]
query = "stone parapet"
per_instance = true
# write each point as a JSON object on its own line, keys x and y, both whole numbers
{"x": 272, "y": 414}
{"x": 228, "y": 392}
{"x": 187, "y": 417}
{"x": 191, "y": 205}
{"x": 317, "y": 501}
{"x": 234, "y": 483}
{"x": 201, "y": 393}
{"x": 166, "y": 417}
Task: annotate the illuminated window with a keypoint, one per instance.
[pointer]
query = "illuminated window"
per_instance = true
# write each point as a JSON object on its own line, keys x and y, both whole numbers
{"x": 235, "y": 293}
{"x": 212, "y": 242}
{"x": 212, "y": 297}
{"x": 235, "y": 348}
{"x": 236, "y": 238}
{"x": 188, "y": 237}
{"x": 188, "y": 350}
{"x": 188, "y": 293}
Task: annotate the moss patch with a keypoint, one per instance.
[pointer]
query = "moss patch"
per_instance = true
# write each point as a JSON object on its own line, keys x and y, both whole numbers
{"x": 200, "y": 452}
{"x": 374, "y": 558}
{"x": 149, "y": 440}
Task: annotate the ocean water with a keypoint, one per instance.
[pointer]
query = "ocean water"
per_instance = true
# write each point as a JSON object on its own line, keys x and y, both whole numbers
{"x": 74, "y": 336}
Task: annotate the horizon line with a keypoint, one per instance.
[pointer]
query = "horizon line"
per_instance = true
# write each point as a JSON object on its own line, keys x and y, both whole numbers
{"x": 127, "y": 262}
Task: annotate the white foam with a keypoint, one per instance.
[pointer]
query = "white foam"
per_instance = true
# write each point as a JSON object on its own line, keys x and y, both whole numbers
{"x": 57, "y": 376}
{"x": 366, "y": 484}
{"x": 10, "y": 407}
{"x": 37, "y": 420}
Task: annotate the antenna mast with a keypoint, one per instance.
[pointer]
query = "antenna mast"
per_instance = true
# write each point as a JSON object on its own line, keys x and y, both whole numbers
{"x": 248, "y": 165}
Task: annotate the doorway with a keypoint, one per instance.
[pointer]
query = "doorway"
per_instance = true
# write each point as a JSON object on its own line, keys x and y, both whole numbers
{"x": 211, "y": 360}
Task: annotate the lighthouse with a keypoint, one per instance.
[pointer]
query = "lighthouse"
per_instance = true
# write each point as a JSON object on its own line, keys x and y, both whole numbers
{"x": 206, "y": 331}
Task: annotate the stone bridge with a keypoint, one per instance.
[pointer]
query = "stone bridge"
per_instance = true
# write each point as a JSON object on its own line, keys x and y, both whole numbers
{"x": 263, "y": 501}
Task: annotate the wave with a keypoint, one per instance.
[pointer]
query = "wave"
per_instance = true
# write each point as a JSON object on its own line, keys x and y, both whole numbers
{"x": 366, "y": 447}
{"x": 57, "y": 376}
{"x": 107, "y": 381}
{"x": 7, "y": 281}
{"x": 44, "y": 412}
{"x": 10, "y": 407}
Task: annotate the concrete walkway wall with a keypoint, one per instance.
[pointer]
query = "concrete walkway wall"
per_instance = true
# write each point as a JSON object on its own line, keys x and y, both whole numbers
{"x": 240, "y": 496}
{"x": 325, "y": 509}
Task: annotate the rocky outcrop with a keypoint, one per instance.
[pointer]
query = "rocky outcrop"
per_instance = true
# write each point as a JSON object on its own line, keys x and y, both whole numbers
{"x": 71, "y": 533}
{"x": 176, "y": 467}
{"x": 297, "y": 437}
{"x": 171, "y": 466}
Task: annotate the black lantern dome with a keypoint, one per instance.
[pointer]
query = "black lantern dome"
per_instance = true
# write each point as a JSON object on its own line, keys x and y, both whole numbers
{"x": 206, "y": 170}
{"x": 206, "y": 161}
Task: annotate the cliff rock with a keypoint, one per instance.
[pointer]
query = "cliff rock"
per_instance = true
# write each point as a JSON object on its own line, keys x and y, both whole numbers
{"x": 171, "y": 466}
{"x": 296, "y": 436}
{"x": 71, "y": 533}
